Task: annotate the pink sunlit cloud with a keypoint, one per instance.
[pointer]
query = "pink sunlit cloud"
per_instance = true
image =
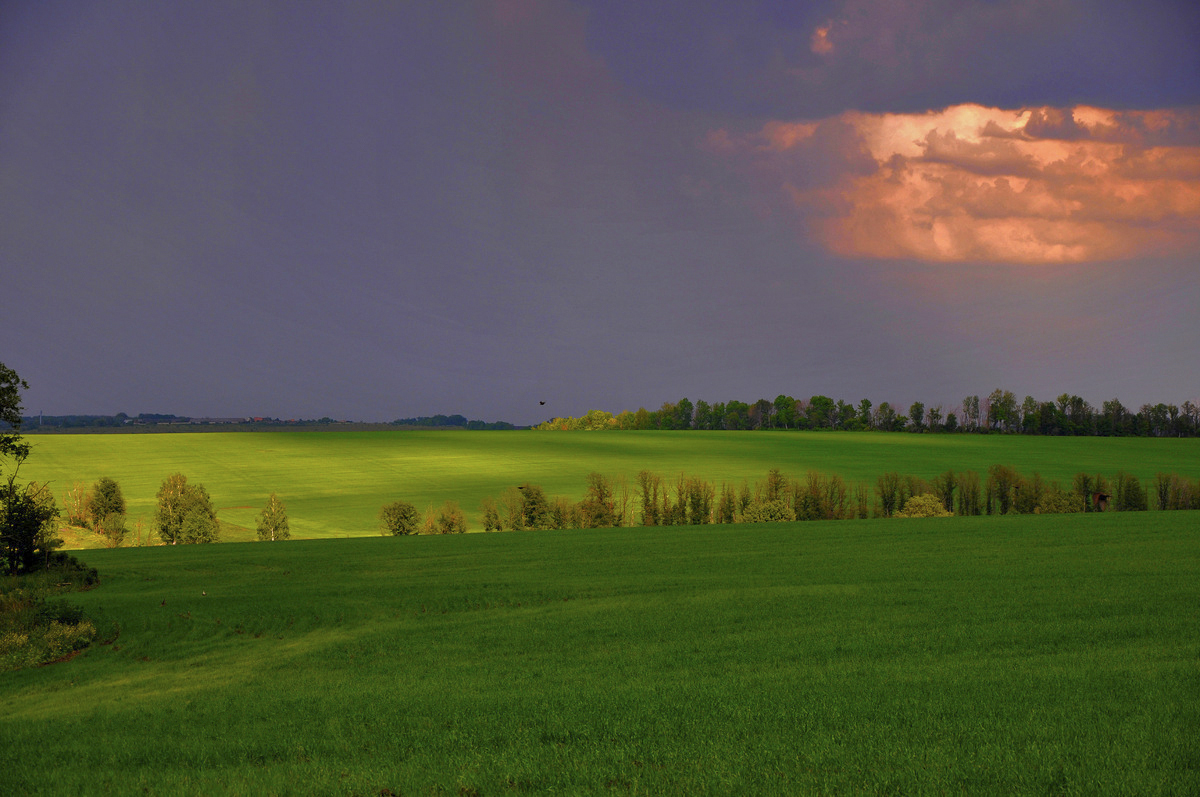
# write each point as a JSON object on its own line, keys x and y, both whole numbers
{"x": 970, "y": 183}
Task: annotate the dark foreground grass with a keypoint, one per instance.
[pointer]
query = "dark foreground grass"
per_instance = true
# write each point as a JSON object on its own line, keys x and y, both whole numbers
{"x": 1034, "y": 654}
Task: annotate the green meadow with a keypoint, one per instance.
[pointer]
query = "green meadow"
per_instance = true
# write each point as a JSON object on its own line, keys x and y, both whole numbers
{"x": 334, "y": 483}
{"x": 1034, "y": 654}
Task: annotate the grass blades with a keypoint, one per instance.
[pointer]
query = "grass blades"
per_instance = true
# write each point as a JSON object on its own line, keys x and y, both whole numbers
{"x": 1031, "y": 654}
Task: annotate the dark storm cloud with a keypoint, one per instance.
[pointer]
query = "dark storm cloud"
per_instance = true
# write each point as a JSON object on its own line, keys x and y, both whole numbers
{"x": 812, "y": 60}
{"x": 386, "y": 210}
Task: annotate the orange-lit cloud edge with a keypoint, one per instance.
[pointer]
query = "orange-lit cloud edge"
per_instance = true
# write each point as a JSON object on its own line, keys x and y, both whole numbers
{"x": 979, "y": 184}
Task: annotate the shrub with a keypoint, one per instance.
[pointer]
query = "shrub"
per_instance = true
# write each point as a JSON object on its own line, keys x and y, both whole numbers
{"x": 777, "y": 511}
{"x": 450, "y": 519}
{"x": 1055, "y": 501}
{"x": 924, "y": 505}
{"x": 112, "y": 527}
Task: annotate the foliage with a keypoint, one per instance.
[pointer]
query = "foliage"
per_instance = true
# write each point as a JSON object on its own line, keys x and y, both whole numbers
{"x": 399, "y": 518}
{"x": 1130, "y": 496}
{"x": 273, "y": 522}
{"x": 27, "y": 525}
{"x": 776, "y": 511}
{"x": 104, "y": 499}
{"x": 11, "y": 443}
{"x": 185, "y": 513}
{"x": 924, "y": 505}
{"x": 199, "y": 527}
{"x": 597, "y": 508}
{"x": 27, "y": 512}
{"x": 1055, "y": 501}
{"x": 35, "y": 630}
{"x": 535, "y": 510}
{"x": 888, "y": 487}
{"x": 113, "y": 529}
{"x": 75, "y": 505}
{"x": 490, "y": 514}
{"x": 450, "y": 519}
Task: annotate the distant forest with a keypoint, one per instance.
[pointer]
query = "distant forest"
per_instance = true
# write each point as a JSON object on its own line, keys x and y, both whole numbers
{"x": 32, "y": 423}
{"x": 998, "y": 412}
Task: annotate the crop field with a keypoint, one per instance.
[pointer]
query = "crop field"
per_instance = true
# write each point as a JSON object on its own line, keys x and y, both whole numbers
{"x": 334, "y": 483}
{"x": 1030, "y": 654}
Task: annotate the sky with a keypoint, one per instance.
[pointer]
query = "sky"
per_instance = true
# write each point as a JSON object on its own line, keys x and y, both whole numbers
{"x": 375, "y": 210}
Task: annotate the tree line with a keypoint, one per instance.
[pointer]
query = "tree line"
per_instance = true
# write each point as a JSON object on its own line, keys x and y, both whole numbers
{"x": 997, "y": 412}
{"x": 651, "y": 500}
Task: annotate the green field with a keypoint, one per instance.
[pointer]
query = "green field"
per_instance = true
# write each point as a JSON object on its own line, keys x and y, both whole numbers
{"x": 1004, "y": 655}
{"x": 334, "y": 483}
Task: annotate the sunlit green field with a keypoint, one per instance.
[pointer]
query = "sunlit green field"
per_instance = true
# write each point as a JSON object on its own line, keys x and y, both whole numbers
{"x": 1002, "y": 655}
{"x": 335, "y": 483}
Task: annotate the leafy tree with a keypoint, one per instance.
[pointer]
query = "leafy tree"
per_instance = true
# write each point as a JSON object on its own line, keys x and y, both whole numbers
{"x": 177, "y": 502}
{"x": 399, "y": 518}
{"x": 761, "y": 413}
{"x": 951, "y": 422}
{"x": 885, "y": 417}
{"x": 535, "y": 510}
{"x": 104, "y": 499}
{"x": 785, "y": 411}
{"x": 649, "y": 485}
{"x": 597, "y": 507}
{"x": 273, "y": 522}
{"x": 27, "y": 525}
{"x": 27, "y": 512}
{"x": 199, "y": 526}
{"x": 1000, "y": 491}
{"x": 845, "y": 414}
{"x": 822, "y": 412}
{"x": 727, "y": 505}
{"x": 737, "y": 415}
{"x": 916, "y": 416}
{"x": 888, "y": 486}
{"x": 969, "y": 502}
{"x": 11, "y": 443}
{"x": 1002, "y": 409}
{"x": 1029, "y": 415}
{"x": 943, "y": 488}
{"x": 970, "y": 413}
{"x": 491, "y": 515}
{"x": 934, "y": 414}
{"x": 683, "y": 414}
{"x": 1130, "y": 496}
{"x": 864, "y": 413}
{"x": 451, "y": 520}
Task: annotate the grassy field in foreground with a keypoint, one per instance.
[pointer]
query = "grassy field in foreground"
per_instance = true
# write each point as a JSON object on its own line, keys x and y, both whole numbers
{"x": 1008, "y": 655}
{"x": 335, "y": 483}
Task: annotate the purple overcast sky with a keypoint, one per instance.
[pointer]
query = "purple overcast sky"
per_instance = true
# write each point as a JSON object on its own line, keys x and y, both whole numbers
{"x": 379, "y": 210}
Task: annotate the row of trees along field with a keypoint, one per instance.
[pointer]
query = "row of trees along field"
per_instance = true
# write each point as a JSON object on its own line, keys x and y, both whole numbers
{"x": 689, "y": 500}
{"x": 999, "y": 411}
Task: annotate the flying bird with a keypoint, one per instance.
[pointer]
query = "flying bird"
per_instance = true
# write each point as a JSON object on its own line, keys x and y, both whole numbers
{"x": 541, "y": 402}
